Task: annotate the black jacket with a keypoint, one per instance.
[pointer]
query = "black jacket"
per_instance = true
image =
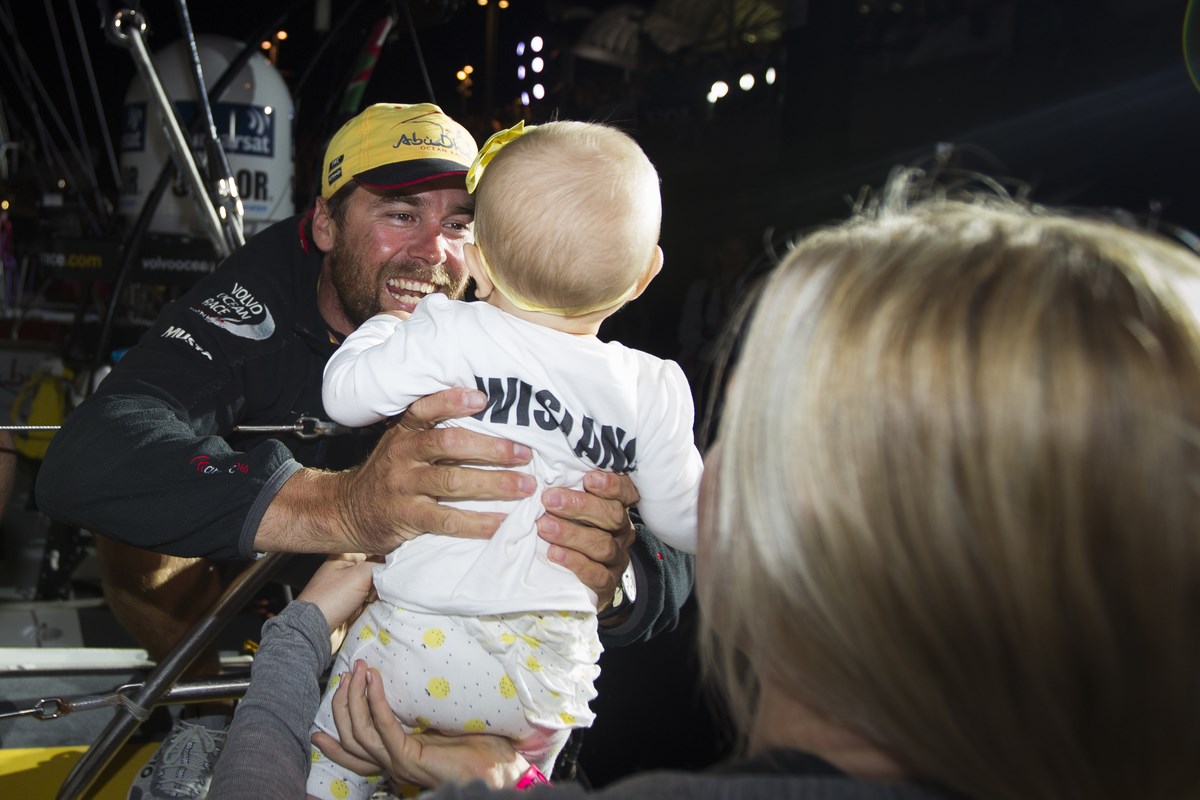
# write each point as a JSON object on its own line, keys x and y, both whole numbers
{"x": 151, "y": 459}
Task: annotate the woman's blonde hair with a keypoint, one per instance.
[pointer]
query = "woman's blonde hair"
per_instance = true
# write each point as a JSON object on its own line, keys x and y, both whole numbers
{"x": 568, "y": 214}
{"x": 958, "y": 499}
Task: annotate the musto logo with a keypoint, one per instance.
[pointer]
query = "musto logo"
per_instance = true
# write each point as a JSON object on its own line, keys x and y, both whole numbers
{"x": 238, "y": 312}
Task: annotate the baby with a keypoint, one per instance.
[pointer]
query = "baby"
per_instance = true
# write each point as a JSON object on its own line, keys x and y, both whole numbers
{"x": 491, "y": 636}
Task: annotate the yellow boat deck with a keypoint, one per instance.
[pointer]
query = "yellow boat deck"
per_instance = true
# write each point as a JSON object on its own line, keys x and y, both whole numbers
{"x": 34, "y": 773}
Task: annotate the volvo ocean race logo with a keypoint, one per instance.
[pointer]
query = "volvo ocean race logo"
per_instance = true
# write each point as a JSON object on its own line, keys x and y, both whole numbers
{"x": 239, "y": 312}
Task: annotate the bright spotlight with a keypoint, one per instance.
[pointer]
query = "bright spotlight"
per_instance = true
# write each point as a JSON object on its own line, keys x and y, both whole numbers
{"x": 524, "y": 98}
{"x": 537, "y": 64}
{"x": 719, "y": 89}
{"x": 770, "y": 76}
{"x": 746, "y": 82}
{"x": 539, "y": 91}
{"x": 535, "y": 44}
{"x": 520, "y": 48}
{"x": 521, "y": 72}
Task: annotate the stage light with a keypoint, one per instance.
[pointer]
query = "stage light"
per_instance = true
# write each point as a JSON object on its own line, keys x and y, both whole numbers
{"x": 520, "y": 48}
{"x": 521, "y": 72}
{"x": 461, "y": 75}
{"x": 524, "y": 98}
{"x": 719, "y": 89}
{"x": 535, "y": 44}
{"x": 770, "y": 76}
{"x": 281, "y": 35}
{"x": 537, "y": 64}
{"x": 468, "y": 69}
{"x": 746, "y": 82}
{"x": 539, "y": 91}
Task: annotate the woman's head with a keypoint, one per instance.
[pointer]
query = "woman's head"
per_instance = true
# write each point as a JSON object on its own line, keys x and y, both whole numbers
{"x": 957, "y": 504}
{"x": 568, "y": 215}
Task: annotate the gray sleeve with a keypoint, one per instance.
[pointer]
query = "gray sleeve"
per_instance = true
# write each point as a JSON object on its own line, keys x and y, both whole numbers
{"x": 266, "y": 755}
{"x": 664, "y": 580}
{"x": 271, "y": 488}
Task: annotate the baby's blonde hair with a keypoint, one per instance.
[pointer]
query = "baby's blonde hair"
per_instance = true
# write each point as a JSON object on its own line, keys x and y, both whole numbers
{"x": 568, "y": 215}
{"x": 958, "y": 499}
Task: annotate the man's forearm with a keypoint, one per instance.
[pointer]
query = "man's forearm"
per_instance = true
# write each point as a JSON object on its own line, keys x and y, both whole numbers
{"x": 304, "y": 515}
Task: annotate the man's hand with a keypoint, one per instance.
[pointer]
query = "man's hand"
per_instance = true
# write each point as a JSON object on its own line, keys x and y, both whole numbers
{"x": 372, "y": 739}
{"x": 394, "y": 496}
{"x": 590, "y": 532}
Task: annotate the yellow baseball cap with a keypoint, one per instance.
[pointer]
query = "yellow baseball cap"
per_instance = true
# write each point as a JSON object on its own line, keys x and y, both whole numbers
{"x": 390, "y": 145}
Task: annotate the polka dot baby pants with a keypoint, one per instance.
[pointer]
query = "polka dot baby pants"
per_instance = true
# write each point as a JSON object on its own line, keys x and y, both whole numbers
{"x": 528, "y": 677}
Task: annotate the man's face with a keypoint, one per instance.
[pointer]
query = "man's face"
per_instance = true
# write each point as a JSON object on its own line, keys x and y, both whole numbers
{"x": 390, "y": 250}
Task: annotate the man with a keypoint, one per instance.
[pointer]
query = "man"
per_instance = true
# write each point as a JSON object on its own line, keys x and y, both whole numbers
{"x": 152, "y": 462}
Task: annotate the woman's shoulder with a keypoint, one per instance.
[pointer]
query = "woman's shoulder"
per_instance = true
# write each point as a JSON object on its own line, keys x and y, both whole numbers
{"x": 724, "y": 784}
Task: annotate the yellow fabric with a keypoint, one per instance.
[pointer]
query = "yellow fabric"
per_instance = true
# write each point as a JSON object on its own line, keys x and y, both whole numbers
{"x": 525, "y": 304}
{"x": 41, "y": 400}
{"x": 387, "y": 134}
{"x": 490, "y": 148}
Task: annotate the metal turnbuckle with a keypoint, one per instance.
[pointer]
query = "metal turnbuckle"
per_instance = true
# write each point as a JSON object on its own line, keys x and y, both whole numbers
{"x": 305, "y": 428}
{"x": 197, "y": 691}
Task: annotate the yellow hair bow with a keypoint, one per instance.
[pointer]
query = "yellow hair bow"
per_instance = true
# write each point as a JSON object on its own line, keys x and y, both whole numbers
{"x": 489, "y": 150}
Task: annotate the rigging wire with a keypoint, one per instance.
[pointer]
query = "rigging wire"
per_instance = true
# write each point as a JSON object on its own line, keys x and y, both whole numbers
{"x": 31, "y": 78}
{"x": 416, "y": 42}
{"x": 102, "y": 123}
{"x": 88, "y": 165}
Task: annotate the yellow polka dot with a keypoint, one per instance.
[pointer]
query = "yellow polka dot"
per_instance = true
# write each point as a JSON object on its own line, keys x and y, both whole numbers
{"x": 339, "y": 789}
{"x": 508, "y": 689}
{"x": 564, "y": 614}
{"x": 316, "y": 755}
{"x": 532, "y": 642}
{"x": 365, "y": 633}
{"x": 421, "y": 726}
{"x": 376, "y": 778}
{"x": 335, "y": 680}
{"x": 508, "y": 638}
{"x": 385, "y": 637}
{"x": 439, "y": 687}
{"x": 532, "y": 664}
{"x": 475, "y": 726}
{"x": 433, "y": 638}
{"x": 569, "y": 719}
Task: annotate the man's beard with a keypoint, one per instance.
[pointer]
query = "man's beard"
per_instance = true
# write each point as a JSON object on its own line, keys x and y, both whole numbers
{"x": 361, "y": 291}
{"x": 357, "y": 292}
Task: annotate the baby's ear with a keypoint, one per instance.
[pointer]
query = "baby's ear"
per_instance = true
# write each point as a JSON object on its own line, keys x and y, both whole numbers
{"x": 474, "y": 261}
{"x": 653, "y": 268}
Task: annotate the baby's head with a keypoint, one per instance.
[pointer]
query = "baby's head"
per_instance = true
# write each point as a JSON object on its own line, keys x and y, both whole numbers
{"x": 567, "y": 219}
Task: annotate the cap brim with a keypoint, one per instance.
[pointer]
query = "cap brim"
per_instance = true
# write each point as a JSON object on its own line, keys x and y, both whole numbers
{"x": 408, "y": 173}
